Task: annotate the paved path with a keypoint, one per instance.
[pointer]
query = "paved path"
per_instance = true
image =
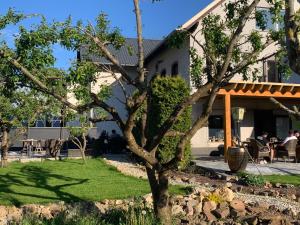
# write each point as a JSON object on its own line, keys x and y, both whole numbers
{"x": 282, "y": 168}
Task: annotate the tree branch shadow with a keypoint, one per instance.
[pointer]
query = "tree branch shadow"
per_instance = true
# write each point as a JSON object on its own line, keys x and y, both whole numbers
{"x": 37, "y": 177}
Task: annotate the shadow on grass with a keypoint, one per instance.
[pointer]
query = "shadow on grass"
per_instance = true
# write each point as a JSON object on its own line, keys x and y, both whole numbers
{"x": 36, "y": 177}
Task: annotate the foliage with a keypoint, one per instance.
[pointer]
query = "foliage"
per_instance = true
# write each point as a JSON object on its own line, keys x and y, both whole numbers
{"x": 166, "y": 93}
{"x": 215, "y": 198}
{"x": 251, "y": 179}
{"x": 134, "y": 216}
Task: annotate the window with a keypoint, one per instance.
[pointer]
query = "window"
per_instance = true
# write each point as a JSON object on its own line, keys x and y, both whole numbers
{"x": 163, "y": 72}
{"x": 215, "y": 128}
{"x": 40, "y": 123}
{"x": 267, "y": 17}
{"x": 56, "y": 122}
{"x": 270, "y": 71}
{"x": 174, "y": 69}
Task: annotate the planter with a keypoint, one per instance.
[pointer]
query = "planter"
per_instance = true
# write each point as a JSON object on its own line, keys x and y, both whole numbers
{"x": 237, "y": 159}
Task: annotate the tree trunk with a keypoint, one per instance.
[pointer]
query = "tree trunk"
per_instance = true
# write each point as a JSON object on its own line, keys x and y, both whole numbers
{"x": 160, "y": 191}
{"x": 4, "y": 147}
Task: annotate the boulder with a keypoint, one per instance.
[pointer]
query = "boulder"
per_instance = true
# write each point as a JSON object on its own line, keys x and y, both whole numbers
{"x": 14, "y": 214}
{"x": 238, "y": 205}
{"x": 208, "y": 207}
{"x": 3, "y": 212}
{"x": 148, "y": 198}
{"x": 225, "y": 194}
{"x": 177, "y": 210}
{"x": 221, "y": 213}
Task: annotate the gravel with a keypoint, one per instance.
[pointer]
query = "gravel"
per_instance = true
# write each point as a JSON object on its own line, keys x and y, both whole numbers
{"x": 123, "y": 164}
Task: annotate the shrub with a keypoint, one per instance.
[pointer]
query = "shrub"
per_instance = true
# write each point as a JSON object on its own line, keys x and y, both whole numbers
{"x": 166, "y": 93}
{"x": 251, "y": 180}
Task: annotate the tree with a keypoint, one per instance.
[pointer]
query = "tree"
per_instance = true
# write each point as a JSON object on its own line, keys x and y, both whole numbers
{"x": 78, "y": 134}
{"x": 18, "y": 109}
{"x": 223, "y": 57}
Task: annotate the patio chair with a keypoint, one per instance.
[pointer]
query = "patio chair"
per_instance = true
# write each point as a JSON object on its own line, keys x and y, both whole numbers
{"x": 257, "y": 148}
{"x": 288, "y": 151}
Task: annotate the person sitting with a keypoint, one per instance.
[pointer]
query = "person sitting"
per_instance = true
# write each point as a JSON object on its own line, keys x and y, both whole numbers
{"x": 263, "y": 139}
{"x": 291, "y": 136}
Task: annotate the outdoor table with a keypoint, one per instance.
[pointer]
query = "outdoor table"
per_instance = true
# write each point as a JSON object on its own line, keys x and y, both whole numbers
{"x": 29, "y": 146}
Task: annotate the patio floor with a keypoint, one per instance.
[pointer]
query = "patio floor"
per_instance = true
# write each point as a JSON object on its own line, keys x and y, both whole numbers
{"x": 217, "y": 164}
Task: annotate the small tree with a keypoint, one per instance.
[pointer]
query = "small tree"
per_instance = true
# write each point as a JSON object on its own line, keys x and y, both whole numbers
{"x": 78, "y": 134}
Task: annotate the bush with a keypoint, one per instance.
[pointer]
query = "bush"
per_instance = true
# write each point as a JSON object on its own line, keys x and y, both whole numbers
{"x": 251, "y": 180}
{"x": 166, "y": 93}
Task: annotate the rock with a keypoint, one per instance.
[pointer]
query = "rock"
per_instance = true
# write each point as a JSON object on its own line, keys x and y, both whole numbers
{"x": 268, "y": 185}
{"x": 232, "y": 178}
{"x": 225, "y": 194}
{"x": 293, "y": 197}
{"x": 192, "y": 180}
{"x": 221, "y": 213}
{"x": 198, "y": 208}
{"x": 177, "y": 210}
{"x": 189, "y": 210}
{"x": 238, "y": 205}
{"x": 251, "y": 220}
{"x": 3, "y": 212}
{"x": 46, "y": 213}
{"x": 228, "y": 184}
{"x": 148, "y": 198}
{"x": 185, "y": 179}
{"x": 278, "y": 185}
{"x": 120, "y": 202}
{"x": 200, "y": 191}
{"x": 101, "y": 207}
{"x": 31, "y": 209}
{"x": 192, "y": 202}
{"x": 208, "y": 207}
{"x": 289, "y": 212}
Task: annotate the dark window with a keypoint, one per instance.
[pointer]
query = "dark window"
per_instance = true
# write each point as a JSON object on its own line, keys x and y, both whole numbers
{"x": 56, "y": 122}
{"x": 40, "y": 123}
{"x": 163, "y": 72}
{"x": 270, "y": 71}
{"x": 215, "y": 128}
{"x": 174, "y": 70}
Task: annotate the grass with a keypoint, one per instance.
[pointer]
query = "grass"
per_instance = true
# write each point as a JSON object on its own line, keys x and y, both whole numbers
{"x": 68, "y": 180}
{"x": 284, "y": 179}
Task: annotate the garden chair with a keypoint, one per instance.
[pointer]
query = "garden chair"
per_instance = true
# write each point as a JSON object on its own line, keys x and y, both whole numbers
{"x": 288, "y": 151}
{"x": 257, "y": 148}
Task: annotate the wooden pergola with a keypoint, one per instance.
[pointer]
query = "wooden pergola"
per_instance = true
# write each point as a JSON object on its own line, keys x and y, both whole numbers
{"x": 259, "y": 90}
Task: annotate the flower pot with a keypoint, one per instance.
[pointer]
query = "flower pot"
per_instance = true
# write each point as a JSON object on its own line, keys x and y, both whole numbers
{"x": 237, "y": 159}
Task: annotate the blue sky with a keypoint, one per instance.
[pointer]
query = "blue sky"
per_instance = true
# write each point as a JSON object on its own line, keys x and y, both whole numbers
{"x": 159, "y": 19}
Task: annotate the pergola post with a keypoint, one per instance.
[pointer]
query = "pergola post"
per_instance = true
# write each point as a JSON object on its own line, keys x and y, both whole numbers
{"x": 227, "y": 124}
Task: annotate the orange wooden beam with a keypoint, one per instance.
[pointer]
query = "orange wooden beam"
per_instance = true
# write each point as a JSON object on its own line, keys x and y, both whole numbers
{"x": 227, "y": 124}
{"x": 257, "y": 93}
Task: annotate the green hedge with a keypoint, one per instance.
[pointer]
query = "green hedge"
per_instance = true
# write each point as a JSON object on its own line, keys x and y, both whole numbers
{"x": 166, "y": 93}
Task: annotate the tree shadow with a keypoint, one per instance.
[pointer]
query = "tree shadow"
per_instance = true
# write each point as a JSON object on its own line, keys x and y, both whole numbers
{"x": 36, "y": 177}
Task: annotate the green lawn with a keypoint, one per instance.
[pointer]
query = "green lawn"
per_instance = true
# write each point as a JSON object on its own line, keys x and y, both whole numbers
{"x": 67, "y": 181}
{"x": 284, "y": 179}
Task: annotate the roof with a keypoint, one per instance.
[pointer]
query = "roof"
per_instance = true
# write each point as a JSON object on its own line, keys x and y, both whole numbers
{"x": 201, "y": 14}
{"x": 125, "y": 57}
{"x": 261, "y": 89}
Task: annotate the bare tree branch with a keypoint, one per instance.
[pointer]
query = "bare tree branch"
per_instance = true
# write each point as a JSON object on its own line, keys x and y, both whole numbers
{"x": 141, "y": 68}
{"x": 294, "y": 112}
